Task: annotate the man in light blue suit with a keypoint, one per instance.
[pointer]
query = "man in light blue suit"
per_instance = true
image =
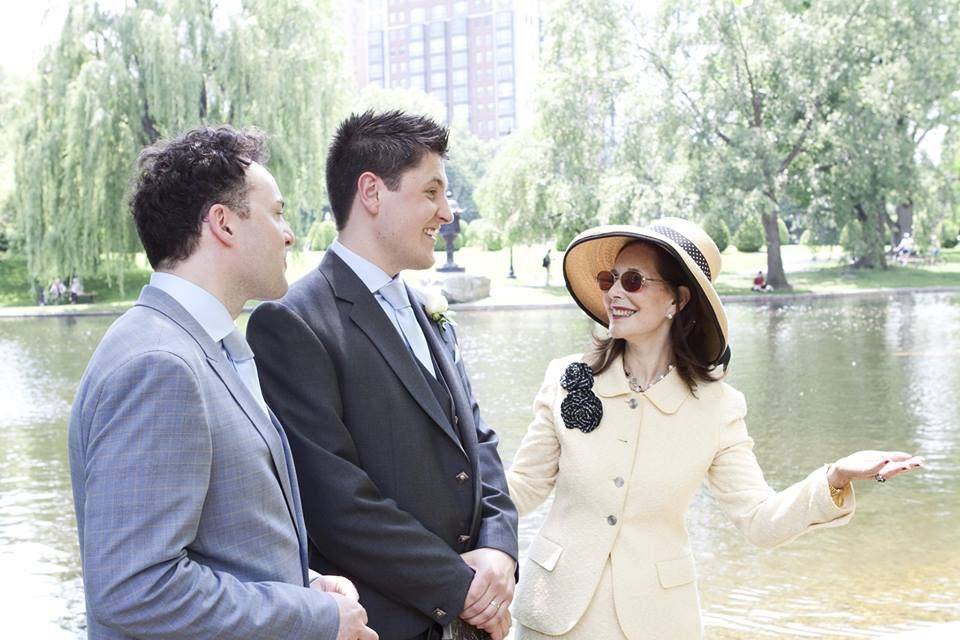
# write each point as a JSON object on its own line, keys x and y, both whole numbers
{"x": 187, "y": 502}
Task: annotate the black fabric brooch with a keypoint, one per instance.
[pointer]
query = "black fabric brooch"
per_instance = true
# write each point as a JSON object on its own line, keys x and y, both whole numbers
{"x": 581, "y": 409}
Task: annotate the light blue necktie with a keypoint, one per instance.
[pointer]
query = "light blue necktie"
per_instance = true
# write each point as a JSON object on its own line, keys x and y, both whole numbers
{"x": 395, "y": 293}
{"x": 241, "y": 355}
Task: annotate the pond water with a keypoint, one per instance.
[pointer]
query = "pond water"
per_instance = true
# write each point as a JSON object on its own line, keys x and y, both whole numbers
{"x": 822, "y": 378}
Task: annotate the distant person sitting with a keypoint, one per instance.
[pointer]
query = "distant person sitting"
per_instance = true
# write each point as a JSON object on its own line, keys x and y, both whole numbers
{"x": 904, "y": 249}
{"x": 760, "y": 283}
{"x": 57, "y": 290}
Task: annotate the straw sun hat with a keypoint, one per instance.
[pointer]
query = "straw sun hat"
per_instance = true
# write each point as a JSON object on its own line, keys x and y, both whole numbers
{"x": 596, "y": 250}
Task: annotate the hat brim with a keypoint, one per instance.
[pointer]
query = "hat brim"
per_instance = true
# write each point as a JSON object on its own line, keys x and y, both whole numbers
{"x": 596, "y": 250}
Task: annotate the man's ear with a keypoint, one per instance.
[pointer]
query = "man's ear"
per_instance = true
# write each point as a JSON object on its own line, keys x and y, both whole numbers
{"x": 220, "y": 221}
{"x": 683, "y": 297}
{"x": 368, "y": 190}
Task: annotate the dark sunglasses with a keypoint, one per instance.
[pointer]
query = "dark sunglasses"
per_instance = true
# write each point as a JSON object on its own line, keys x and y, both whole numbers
{"x": 631, "y": 281}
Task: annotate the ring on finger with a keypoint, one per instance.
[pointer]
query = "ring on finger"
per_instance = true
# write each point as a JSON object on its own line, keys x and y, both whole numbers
{"x": 879, "y": 478}
{"x": 494, "y": 603}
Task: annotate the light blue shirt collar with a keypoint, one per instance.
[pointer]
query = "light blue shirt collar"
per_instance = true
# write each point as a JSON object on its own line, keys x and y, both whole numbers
{"x": 205, "y": 308}
{"x": 370, "y": 274}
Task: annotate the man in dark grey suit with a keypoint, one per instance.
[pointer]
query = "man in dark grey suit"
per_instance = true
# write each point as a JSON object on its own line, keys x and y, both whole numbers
{"x": 187, "y": 503}
{"x": 402, "y": 486}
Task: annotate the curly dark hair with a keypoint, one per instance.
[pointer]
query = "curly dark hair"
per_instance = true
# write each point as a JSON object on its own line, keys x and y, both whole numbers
{"x": 686, "y": 331}
{"x": 178, "y": 180}
{"x": 386, "y": 144}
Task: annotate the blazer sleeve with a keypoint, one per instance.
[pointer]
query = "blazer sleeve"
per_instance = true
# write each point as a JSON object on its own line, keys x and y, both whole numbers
{"x": 533, "y": 474}
{"x": 346, "y": 515}
{"x": 146, "y": 472}
{"x": 498, "y": 526}
{"x": 766, "y": 517}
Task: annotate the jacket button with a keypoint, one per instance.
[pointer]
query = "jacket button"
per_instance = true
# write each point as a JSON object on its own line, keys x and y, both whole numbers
{"x": 611, "y": 520}
{"x": 456, "y": 420}
{"x": 632, "y": 403}
{"x": 462, "y": 476}
{"x": 463, "y": 539}
{"x": 439, "y": 613}
{"x": 618, "y": 481}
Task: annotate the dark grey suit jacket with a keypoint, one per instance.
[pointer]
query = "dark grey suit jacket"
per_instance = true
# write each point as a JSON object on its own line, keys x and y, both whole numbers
{"x": 187, "y": 504}
{"x": 392, "y": 491}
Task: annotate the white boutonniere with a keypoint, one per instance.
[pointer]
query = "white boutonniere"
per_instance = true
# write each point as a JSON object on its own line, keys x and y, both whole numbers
{"x": 436, "y": 306}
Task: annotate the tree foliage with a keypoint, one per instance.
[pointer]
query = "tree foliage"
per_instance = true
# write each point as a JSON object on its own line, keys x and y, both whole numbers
{"x": 116, "y": 82}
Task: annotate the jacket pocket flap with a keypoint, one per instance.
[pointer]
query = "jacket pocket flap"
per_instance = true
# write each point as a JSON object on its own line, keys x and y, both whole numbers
{"x": 676, "y": 572}
{"x": 544, "y": 552}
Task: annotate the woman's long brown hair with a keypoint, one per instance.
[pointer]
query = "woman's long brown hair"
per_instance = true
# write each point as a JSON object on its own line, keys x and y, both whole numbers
{"x": 687, "y": 330}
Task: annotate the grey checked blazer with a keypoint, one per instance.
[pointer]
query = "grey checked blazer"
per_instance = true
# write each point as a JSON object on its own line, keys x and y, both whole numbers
{"x": 187, "y": 503}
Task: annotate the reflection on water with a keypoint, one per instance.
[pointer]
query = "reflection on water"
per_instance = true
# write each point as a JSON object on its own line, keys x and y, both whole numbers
{"x": 822, "y": 378}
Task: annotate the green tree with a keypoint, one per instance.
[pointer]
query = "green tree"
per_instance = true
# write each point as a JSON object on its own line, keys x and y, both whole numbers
{"x": 321, "y": 235}
{"x": 118, "y": 81}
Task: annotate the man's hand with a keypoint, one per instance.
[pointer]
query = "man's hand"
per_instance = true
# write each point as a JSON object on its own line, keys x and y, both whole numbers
{"x": 335, "y": 584}
{"x": 353, "y": 617}
{"x": 488, "y": 601}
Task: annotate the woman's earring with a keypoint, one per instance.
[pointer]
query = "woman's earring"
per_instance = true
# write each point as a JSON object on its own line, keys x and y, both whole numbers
{"x": 670, "y": 316}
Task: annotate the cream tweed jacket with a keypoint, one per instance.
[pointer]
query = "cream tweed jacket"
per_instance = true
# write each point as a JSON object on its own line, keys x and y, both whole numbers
{"x": 622, "y": 492}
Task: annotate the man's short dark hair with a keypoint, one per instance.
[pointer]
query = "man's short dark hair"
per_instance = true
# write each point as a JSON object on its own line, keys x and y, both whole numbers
{"x": 386, "y": 144}
{"x": 178, "y": 180}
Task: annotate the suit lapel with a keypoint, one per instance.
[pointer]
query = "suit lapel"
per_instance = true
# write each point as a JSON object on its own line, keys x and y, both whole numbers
{"x": 160, "y": 301}
{"x": 261, "y": 422}
{"x": 368, "y": 315}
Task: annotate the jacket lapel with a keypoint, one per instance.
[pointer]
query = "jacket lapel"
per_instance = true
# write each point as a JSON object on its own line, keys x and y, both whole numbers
{"x": 368, "y": 315}
{"x": 160, "y": 301}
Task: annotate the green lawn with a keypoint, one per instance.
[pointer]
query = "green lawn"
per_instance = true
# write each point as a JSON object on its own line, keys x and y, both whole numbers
{"x": 807, "y": 270}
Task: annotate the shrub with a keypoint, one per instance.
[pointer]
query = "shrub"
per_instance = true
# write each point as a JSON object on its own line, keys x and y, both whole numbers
{"x": 485, "y": 235}
{"x": 749, "y": 237}
{"x": 717, "y": 229}
{"x": 321, "y": 235}
{"x": 461, "y": 241}
{"x": 948, "y": 234}
{"x": 808, "y": 239}
{"x": 782, "y": 229}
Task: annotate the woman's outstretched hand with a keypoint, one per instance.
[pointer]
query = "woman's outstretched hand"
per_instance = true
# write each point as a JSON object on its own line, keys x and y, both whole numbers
{"x": 871, "y": 465}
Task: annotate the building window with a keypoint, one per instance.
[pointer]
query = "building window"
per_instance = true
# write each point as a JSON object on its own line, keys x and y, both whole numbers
{"x": 504, "y": 125}
{"x": 438, "y": 45}
{"x": 505, "y": 89}
{"x": 504, "y": 54}
{"x": 437, "y": 30}
{"x": 505, "y": 107}
{"x": 504, "y": 36}
{"x": 458, "y": 43}
{"x": 417, "y": 82}
{"x": 505, "y": 71}
{"x": 460, "y": 95}
{"x": 375, "y": 70}
{"x": 458, "y": 26}
{"x": 438, "y": 62}
{"x": 438, "y": 80}
{"x": 416, "y": 65}
{"x": 459, "y": 60}
{"x": 459, "y": 77}
{"x": 461, "y": 113}
{"x": 416, "y": 48}
{"x": 439, "y": 12}
{"x": 418, "y": 14}
{"x": 416, "y": 32}
{"x": 460, "y": 8}
{"x": 504, "y": 19}
{"x": 439, "y": 94}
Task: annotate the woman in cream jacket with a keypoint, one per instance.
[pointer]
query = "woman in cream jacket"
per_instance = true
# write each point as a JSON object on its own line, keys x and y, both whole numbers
{"x": 626, "y": 433}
